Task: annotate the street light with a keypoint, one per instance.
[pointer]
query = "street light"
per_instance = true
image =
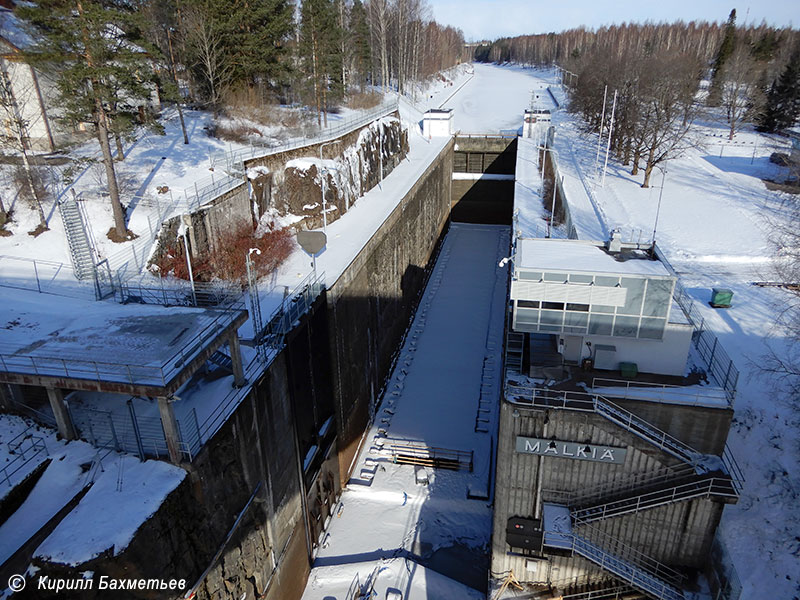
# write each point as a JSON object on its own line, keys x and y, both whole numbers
{"x": 186, "y": 220}
{"x": 553, "y": 205}
{"x": 660, "y": 193}
{"x": 322, "y": 177}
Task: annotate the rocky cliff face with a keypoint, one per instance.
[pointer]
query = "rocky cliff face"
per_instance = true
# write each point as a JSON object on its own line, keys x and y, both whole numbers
{"x": 287, "y": 188}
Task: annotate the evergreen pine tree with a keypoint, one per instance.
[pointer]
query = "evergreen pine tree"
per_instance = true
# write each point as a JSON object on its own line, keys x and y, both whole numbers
{"x": 255, "y": 39}
{"x": 783, "y": 100}
{"x": 94, "y": 51}
{"x": 321, "y": 53}
{"x": 724, "y": 52}
{"x": 359, "y": 36}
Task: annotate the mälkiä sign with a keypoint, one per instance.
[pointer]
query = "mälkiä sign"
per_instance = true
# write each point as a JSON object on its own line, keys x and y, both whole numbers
{"x": 607, "y": 454}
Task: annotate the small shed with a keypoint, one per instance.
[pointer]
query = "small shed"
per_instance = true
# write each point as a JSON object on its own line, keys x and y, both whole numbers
{"x": 437, "y": 122}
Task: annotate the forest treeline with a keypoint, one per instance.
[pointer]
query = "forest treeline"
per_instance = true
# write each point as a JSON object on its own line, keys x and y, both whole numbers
{"x": 658, "y": 77}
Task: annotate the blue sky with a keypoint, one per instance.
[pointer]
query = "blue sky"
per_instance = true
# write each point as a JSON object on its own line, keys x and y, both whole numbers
{"x": 490, "y": 19}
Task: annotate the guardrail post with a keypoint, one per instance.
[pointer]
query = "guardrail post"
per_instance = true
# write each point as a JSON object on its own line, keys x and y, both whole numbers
{"x": 113, "y": 432}
{"x": 136, "y": 433}
{"x": 713, "y": 351}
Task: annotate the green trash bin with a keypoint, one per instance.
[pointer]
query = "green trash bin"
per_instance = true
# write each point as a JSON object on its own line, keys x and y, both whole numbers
{"x": 628, "y": 370}
{"x": 721, "y": 297}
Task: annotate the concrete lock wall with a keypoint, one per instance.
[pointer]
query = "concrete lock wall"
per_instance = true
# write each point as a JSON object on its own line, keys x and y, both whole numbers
{"x": 371, "y": 304}
{"x": 678, "y": 534}
{"x": 335, "y": 363}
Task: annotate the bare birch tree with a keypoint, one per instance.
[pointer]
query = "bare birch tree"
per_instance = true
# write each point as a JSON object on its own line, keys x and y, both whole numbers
{"x": 16, "y": 137}
{"x": 740, "y": 94}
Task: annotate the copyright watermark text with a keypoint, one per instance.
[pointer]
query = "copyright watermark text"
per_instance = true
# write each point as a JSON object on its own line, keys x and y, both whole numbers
{"x": 16, "y": 583}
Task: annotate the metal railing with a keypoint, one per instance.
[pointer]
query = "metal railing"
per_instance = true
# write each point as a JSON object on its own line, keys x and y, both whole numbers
{"x": 584, "y": 401}
{"x": 285, "y": 316}
{"x": 269, "y": 342}
{"x": 617, "y": 592}
{"x": 26, "y": 448}
{"x": 660, "y": 393}
{"x": 133, "y": 374}
{"x": 233, "y": 160}
{"x": 718, "y": 363}
{"x": 43, "y": 276}
{"x": 647, "y": 575}
{"x": 723, "y": 578}
{"x": 704, "y": 487}
{"x": 616, "y": 487}
{"x": 588, "y": 402}
{"x": 178, "y": 292}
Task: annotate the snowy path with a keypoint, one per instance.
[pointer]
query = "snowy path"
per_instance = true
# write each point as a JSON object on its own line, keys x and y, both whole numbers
{"x": 450, "y": 356}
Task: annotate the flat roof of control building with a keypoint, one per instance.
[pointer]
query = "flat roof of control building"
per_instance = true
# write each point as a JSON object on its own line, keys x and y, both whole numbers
{"x": 582, "y": 256}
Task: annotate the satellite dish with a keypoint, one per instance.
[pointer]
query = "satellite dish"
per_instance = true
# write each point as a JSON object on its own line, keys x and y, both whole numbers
{"x": 312, "y": 241}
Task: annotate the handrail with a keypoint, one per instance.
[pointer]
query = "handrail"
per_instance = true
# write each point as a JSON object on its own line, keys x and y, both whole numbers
{"x": 710, "y": 486}
{"x": 37, "y": 444}
{"x": 617, "y": 547}
{"x": 613, "y": 487}
{"x": 647, "y": 575}
{"x": 236, "y": 159}
{"x": 672, "y": 394}
{"x": 589, "y": 402}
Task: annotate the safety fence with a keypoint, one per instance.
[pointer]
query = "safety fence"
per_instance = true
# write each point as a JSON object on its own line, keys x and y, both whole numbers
{"x": 722, "y": 576}
{"x": 125, "y": 431}
{"x": 25, "y": 447}
{"x": 716, "y": 359}
{"x": 233, "y": 160}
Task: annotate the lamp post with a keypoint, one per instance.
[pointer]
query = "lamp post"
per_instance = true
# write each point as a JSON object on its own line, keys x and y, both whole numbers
{"x": 660, "y": 193}
{"x": 186, "y": 221}
{"x": 322, "y": 178}
{"x": 553, "y": 205}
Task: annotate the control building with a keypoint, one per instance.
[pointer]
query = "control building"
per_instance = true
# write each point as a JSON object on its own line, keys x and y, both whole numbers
{"x": 612, "y": 469}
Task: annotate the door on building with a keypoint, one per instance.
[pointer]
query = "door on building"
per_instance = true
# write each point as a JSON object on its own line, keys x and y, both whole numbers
{"x": 573, "y": 345}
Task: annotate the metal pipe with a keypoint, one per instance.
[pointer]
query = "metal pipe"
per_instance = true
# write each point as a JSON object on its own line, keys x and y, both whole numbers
{"x": 322, "y": 179}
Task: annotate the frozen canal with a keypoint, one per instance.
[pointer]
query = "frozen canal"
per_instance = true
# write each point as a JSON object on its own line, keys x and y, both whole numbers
{"x": 391, "y": 530}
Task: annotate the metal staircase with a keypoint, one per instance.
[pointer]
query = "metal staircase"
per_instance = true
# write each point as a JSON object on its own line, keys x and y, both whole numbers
{"x": 222, "y": 360}
{"x": 80, "y": 248}
{"x": 587, "y": 402}
{"x": 514, "y": 347}
{"x": 697, "y": 486}
{"x": 630, "y": 566}
{"x": 633, "y": 574}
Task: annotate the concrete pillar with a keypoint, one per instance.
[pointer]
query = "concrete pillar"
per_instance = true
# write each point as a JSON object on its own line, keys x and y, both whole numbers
{"x": 236, "y": 359}
{"x": 63, "y": 418}
{"x": 5, "y": 396}
{"x": 170, "y": 425}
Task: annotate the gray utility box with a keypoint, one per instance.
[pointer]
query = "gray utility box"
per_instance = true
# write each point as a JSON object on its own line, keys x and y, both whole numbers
{"x": 605, "y": 357}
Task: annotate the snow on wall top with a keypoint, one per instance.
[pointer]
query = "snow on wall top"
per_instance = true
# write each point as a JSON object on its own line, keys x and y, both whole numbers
{"x": 577, "y": 255}
{"x": 109, "y": 515}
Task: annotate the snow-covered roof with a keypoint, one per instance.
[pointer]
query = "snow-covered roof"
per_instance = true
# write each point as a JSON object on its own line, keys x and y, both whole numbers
{"x": 105, "y": 342}
{"x": 12, "y": 30}
{"x": 581, "y": 256}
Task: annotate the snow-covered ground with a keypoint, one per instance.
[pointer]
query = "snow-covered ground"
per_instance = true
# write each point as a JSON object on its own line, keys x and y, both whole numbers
{"x": 712, "y": 227}
{"x": 124, "y": 493}
{"x": 386, "y": 519}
